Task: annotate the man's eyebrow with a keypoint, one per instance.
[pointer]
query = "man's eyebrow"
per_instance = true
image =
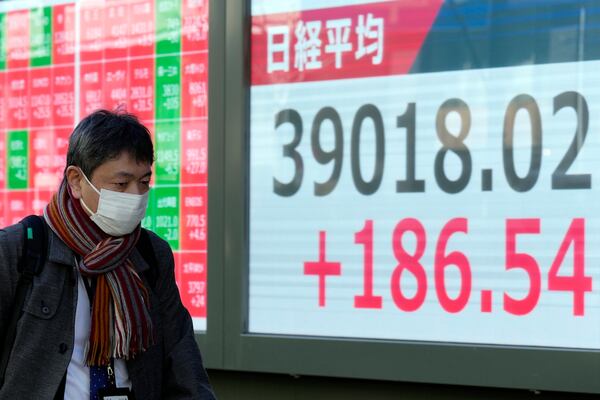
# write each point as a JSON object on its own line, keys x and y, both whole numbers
{"x": 125, "y": 174}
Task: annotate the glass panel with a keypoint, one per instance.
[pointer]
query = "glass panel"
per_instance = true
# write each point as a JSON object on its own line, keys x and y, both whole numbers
{"x": 425, "y": 171}
{"x": 149, "y": 57}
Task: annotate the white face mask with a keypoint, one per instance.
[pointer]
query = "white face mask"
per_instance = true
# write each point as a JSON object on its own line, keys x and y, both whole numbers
{"x": 118, "y": 213}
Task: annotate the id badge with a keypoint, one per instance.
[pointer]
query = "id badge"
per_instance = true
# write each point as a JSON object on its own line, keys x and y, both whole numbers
{"x": 115, "y": 394}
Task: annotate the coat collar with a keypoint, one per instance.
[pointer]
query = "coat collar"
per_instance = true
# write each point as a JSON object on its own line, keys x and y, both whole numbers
{"x": 58, "y": 251}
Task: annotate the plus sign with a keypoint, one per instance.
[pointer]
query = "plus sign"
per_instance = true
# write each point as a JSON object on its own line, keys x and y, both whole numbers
{"x": 322, "y": 268}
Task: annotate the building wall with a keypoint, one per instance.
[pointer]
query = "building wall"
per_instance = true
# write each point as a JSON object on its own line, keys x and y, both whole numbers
{"x": 232, "y": 385}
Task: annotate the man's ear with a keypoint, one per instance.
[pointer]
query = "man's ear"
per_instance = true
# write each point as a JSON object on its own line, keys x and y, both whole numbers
{"x": 74, "y": 178}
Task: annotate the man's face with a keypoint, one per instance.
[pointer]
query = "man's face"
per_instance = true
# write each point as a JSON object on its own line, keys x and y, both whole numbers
{"x": 122, "y": 174}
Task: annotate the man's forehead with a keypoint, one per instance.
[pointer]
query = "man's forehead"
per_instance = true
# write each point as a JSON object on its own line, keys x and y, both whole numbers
{"x": 119, "y": 169}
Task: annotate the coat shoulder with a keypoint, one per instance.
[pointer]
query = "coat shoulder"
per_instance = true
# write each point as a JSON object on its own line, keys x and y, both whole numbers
{"x": 160, "y": 246}
{"x": 11, "y": 241}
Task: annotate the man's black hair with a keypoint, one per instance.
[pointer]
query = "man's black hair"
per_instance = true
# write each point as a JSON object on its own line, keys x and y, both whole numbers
{"x": 103, "y": 136}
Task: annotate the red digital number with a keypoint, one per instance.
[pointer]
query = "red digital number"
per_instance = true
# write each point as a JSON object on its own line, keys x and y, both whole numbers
{"x": 367, "y": 299}
{"x": 577, "y": 283}
{"x": 409, "y": 262}
{"x": 523, "y": 261}
{"x": 442, "y": 261}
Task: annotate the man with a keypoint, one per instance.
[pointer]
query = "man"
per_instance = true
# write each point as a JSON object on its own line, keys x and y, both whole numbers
{"x": 93, "y": 320}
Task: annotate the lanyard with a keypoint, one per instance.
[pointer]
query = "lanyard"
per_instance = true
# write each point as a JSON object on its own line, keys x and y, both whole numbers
{"x": 90, "y": 288}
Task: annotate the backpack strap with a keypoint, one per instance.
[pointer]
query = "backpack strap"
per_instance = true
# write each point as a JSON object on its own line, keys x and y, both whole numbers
{"x": 34, "y": 245}
{"x": 31, "y": 263}
{"x": 144, "y": 246}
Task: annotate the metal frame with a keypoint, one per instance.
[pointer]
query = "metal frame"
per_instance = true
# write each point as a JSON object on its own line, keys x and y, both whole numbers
{"x": 447, "y": 363}
{"x": 211, "y": 342}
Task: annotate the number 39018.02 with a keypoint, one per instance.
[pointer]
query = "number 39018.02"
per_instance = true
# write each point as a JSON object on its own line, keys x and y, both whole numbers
{"x": 450, "y": 143}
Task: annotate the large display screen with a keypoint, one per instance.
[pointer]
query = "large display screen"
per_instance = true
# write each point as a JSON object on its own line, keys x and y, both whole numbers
{"x": 61, "y": 60}
{"x": 425, "y": 171}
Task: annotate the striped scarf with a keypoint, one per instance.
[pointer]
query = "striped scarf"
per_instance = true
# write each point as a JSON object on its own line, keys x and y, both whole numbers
{"x": 121, "y": 324}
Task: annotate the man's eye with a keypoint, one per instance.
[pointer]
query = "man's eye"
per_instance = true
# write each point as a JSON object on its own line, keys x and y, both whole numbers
{"x": 145, "y": 183}
{"x": 121, "y": 184}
